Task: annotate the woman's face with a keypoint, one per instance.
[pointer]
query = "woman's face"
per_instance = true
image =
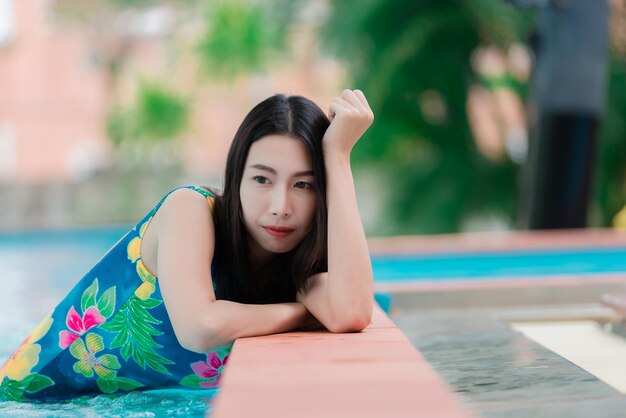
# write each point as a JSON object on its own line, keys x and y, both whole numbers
{"x": 277, "y": 194}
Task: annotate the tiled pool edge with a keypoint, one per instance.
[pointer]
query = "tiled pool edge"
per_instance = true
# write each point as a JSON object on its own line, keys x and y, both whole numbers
{"x": 373, "y": 373}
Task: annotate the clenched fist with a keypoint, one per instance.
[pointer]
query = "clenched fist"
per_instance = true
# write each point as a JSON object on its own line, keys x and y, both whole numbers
{"x": 350, "y": 116}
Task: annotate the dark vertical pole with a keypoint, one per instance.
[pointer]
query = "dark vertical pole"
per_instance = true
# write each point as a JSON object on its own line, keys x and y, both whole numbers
{"x": 568, "y": 84}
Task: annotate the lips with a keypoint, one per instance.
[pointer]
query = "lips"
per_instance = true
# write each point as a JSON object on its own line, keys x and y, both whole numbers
{"x": 278, "y": 231}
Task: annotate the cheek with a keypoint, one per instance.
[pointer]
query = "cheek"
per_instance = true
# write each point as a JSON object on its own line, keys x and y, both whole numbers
{"x": 309, "y": 210}
{"x": 247, "y": 204}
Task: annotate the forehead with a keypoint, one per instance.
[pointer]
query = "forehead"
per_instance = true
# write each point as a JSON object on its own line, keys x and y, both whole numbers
{"x": 280, "y": 152}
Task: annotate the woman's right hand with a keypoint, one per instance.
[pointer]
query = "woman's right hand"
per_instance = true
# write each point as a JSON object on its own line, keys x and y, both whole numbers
{"x": 350, "y": 115}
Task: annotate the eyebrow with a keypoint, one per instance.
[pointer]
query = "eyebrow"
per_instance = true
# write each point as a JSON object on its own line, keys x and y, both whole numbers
{"x": 271, "y": 170}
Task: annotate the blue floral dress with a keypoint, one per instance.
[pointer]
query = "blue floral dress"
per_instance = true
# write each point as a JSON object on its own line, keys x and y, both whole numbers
{"x": 110, "y": 334}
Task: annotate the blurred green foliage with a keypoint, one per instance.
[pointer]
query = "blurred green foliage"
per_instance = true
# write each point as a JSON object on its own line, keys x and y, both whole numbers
{"x": 403, "y": 54}
{"x": 610, "y": 182}
{"x": 159, "y": 114}
{"x": 245, "y": 36}
{"x": 239, "y": 38}
{"x": 120, "y": 126}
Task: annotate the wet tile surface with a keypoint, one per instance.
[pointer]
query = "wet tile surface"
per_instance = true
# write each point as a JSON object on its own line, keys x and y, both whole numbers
{"x": 498, "y": 372}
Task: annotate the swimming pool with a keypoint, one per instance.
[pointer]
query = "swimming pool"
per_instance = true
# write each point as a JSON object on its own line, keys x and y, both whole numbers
{"x": 37, "y": 268}
{"x": 133, "y": 404}
{"x": 519, "y": 263}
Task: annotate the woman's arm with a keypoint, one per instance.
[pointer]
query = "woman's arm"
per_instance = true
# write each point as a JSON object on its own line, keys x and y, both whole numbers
{"x": 342, "y": 299}
{"x": 238, "y": 320}
{"x": 185, "y": 247}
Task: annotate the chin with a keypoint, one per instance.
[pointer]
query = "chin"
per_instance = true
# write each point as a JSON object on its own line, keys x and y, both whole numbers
{"x": 280, "y": 247}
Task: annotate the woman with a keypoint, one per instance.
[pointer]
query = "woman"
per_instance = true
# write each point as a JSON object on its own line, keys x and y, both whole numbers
{"x": 282, "y": 248}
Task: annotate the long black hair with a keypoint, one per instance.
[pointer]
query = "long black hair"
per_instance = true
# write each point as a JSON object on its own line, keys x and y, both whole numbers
{"x": 293, "y": 116}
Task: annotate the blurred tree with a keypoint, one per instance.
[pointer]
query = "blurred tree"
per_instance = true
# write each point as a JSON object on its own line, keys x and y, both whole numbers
{"x": 120, "y": 125}
{"x": 161, "y": 113}
{"x": 238, "y": 38}
{"x": 412, "y": 59}
{"x": 611, "y": 168}
{"x": 245, "y": 36}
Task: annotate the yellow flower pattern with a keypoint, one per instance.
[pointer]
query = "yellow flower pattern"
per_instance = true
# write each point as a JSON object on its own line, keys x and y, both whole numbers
{"x": 22, "y": 361}
{"x": 147, "y": 288}
{"x": 134, "y": 247}
{"x": 105, "y": 366}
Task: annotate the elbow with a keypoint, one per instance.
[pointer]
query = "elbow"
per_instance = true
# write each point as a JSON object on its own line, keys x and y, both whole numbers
{"x": 201, "y": 338}
{"x": 195, "y": 343}
{"x": 356, "y": 322}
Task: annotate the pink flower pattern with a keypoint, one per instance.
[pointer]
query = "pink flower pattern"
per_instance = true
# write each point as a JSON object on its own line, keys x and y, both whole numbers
{"x": 78, "y": 325}
{"x": 210, "y": 369}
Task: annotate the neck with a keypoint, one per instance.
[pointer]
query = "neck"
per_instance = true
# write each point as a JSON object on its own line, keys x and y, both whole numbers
{"x": 261, "y": 263}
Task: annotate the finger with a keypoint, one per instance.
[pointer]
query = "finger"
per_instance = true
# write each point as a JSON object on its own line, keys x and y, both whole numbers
{"x": 358, "y": 93}
{"x": 350, "y": 97}
{"x": 336, "y": 106}
{"x": 342, "y": 104}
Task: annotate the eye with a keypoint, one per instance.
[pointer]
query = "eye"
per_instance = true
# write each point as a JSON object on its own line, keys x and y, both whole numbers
{"x": 303, "y": 185}
{"x": 261, "y": 179}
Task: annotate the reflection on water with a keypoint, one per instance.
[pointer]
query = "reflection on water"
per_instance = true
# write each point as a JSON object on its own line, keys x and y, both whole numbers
{"x": 133, "y": 404}
{"x": 37, "y": 269}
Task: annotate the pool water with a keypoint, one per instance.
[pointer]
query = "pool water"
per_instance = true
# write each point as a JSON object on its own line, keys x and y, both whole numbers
{"x": 503, "y": 264}
{"x": 134, "y": 404}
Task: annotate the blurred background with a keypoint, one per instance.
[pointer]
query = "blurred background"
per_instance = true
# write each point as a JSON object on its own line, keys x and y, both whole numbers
{"x": 490, "y": 114}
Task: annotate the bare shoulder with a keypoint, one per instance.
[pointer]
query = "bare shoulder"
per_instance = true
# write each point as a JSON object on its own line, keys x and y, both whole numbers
{"x": 185, "y": 197}
{"x": 186, "y": 236}
{"x": 184, "y": 219}
{"x": 186, "y": 206}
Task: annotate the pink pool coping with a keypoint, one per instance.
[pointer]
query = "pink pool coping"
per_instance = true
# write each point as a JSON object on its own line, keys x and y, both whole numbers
{"x": 497, "y": 241}
{"x": 374, "y": 373}
{"x": 497, "y": 282}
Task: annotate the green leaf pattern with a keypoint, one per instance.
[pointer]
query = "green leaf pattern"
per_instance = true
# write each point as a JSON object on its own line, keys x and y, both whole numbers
{"x": 133, "y": 326}
{"x": 106, "y": 304}
{"x": 135, "y": 330}
{"x": 89, "y": 296}
{"x": 14, "y": 390}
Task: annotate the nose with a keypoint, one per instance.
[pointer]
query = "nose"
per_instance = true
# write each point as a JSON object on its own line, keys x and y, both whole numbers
{"x": 280, "y": 205}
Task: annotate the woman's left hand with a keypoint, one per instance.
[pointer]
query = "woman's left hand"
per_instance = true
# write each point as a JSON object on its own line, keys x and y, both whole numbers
{"x": 350, "y": 116}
